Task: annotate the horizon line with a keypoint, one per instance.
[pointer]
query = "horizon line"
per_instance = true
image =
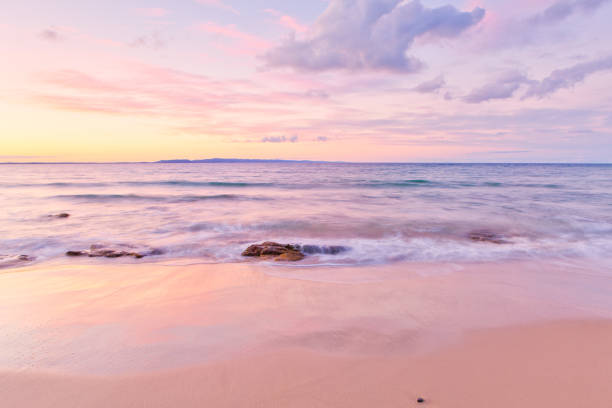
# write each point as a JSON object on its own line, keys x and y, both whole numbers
{"x": 295, "y": 161}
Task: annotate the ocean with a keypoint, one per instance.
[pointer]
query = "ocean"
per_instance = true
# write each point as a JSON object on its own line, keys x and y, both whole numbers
{"x": 380, "y": 213}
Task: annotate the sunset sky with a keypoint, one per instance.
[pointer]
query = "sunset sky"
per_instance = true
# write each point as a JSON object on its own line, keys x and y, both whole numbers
{"x": 354, "y": 80}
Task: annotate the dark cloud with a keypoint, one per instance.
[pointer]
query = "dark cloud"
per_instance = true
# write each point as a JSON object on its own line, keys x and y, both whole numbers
{"x": 369, "y": 35}
{"x": 431, "y": 86}
{"x": 568, "y": 77}
{"x": 531, "y": 29}
{"x": 279, "y": 139}
{"x": 322, "y": 139}
{"x": 506, "y": 86}
{"x": 562, "y": 9}
{"x": 502, "y": 88}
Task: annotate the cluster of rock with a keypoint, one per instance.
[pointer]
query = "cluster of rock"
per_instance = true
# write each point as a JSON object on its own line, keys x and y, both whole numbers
{"x": 487, "y": 236}
{"x": 289, "y": 252}
{"x": 268, "y": 250}
{"x": 7, "y": 261}
{"x": 107, "y": 251}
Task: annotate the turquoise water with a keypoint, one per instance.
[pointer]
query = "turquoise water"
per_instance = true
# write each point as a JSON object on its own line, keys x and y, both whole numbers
{"x": 381, "y": 212}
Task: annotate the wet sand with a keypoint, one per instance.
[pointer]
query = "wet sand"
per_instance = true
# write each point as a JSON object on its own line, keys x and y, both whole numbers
{"x": 560, "y": 364}
{"x": 514, "y": 335}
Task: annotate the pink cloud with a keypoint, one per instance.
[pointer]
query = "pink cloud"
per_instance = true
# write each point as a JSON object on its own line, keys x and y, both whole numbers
{"x": 76, "y": 80}
{"x": 150, "y": 90}
{"x": 110, "y": 105}
{"x": 153, "y": 12}
{"x": 293, "y": 24}
{"x": 243, "y": 42}
{"x": 288, "y": 21}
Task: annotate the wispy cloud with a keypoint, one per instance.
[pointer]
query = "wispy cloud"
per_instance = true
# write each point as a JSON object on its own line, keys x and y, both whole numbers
{"x": 287, "y": 21}
{"x": 530, "y": 29}
{"x": 430, "y": 86}
{"x": 568, "y": 77}
{"x": 219, "y": 4}
{"x": 562, "y": 9}
{"x": 280, "y": 139}
{"x": 243, "y": 42}
{"x": 369, "y": 35}
{"x": 153, "y": 41}
{"x": 152, "y": 91}
{"x": 508, "y": 84}
{"x": 503, "y": 87}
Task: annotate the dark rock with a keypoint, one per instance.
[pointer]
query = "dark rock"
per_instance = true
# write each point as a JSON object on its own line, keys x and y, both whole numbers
{"x": 420, "y": 400}
{"x": 7, "y": 261}
{"x": 289, "y": 252}
{"x": 487, "y": 236}
{"x": 290, "y": 256}
{"x": 60, "y": 215}
{"x": 99, "y": 251}
{"x": 280, "y": 252}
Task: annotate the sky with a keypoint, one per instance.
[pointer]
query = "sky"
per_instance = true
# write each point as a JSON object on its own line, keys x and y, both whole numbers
{"x": 350, "y": 80}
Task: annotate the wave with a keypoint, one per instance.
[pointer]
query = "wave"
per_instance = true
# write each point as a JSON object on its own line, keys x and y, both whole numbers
{"x": 186, "y": 183}
{"x": 55, "y": 184}
{"x": 412, "y": 183}
{"x": 395, "y": 183}
{"x": 189, "y": 183}
{"x": 528, "y": 185}
{"x": 168, "y": 199}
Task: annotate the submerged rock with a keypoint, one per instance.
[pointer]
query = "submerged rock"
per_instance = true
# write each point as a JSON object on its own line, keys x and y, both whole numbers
{"x": 487, "y": 236}
{"x": 280, "y": 252}
{"x": 292, "y": 256}
{"x": 322, "y": 249}
{"x": 6, "y": 261}
{"x": 60, "y": 215}
{"x": 115, "y": 251}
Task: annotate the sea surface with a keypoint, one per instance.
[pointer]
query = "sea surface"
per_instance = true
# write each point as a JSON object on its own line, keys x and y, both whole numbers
{"x": 381, "y": 213}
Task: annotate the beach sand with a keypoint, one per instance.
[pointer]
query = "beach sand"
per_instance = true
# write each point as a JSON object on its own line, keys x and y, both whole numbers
{"x": 254, "y": 336}
{"x": 560, "y": 364}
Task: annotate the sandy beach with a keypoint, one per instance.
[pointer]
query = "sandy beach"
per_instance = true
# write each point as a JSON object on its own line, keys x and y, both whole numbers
{"x": 559, "y": 364}
{"x": 162, "y": 335}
